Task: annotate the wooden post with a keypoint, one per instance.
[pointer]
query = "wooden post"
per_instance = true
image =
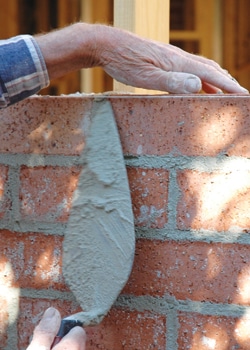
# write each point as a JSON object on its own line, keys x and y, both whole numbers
{"x": 147, "y": 18}
{"x": 208, "y": 29}
{"x": 9, "y": 15}
{"x": 96, "y": 11}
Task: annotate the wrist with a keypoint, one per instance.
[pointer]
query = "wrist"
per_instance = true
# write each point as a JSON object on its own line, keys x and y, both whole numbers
{"x": 88, "y": 45}
{"x": 104, "y": 39}
{"x": 68, "y": 49}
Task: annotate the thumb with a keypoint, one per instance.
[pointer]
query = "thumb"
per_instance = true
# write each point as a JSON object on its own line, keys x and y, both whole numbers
{"x": 46, "y": 330}
{"x": 181, "y": 83}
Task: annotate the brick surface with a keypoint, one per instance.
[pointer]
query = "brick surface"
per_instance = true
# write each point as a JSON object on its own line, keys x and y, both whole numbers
{"x": 209, "y": 204}
{"x": 197, "y": 271}
{"x": 35, "y": 260}
{"x": 47, "y": 125}
{"x": 5, "y": 203}
{"x": 46, "y": 192}
{"x": 120, "y": 330}
{"x": 193, "y": 126}
{"x": 3, "y": 314}
{"x": 200, "y": 332}
{"x": 128, "y": 330}
{"x": 149, "y": 193}
{"x": 215, "y": 201}
{"x": 31, "y": 311}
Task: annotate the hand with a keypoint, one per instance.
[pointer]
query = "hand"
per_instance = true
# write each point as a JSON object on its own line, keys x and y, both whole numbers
{"x": 132, "y": 60}
{"x": 47, "y": 329}
{"x": 152, "y": 65}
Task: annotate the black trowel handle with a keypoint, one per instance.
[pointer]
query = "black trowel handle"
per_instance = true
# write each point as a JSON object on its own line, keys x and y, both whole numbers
{"x": 66, "y": 325}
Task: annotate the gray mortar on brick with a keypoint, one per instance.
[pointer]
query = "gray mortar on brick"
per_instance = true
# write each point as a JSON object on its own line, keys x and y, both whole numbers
{"x": 99, "y": 238}
{"x": 168, "y": 307}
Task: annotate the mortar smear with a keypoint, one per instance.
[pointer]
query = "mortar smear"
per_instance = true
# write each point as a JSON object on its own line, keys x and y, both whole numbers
{"x": 99, "y": 239}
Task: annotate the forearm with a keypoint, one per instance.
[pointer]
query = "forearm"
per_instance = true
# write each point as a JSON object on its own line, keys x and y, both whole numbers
{"x": 68, "y": 49}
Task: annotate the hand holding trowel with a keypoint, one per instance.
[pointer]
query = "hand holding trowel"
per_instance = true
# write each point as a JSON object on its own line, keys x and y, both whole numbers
{"x": 99, "y": 239}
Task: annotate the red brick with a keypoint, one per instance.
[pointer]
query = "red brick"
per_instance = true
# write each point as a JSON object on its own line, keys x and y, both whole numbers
{"x": 31, "y": 311}
{"x": 149, "y": 193}
{"x": 201, "y": 332}
{"x": 3, "y": 318}
{"x": 47, "y": 125}
{"x": 120, "y": 329}
{"x": 35, "y": 260}
{"x": 4, "y": 199}
{"x": 184, "y": 125}
{"x": 46, "y": 192}
{"x": 214, "y": 201}
{"x": 128, "y": 330}
{"x": 197, "y": 271}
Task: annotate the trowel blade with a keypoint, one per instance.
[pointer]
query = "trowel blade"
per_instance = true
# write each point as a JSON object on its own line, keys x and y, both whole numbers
{"x": 99, "y": 240}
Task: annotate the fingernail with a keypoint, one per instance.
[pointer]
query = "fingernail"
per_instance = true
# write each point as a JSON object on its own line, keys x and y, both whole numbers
{"x": 192, "y": 84}
{"x": 49, "y": 313}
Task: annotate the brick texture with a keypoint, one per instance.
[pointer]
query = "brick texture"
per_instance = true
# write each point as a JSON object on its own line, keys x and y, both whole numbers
{"x": 128, "y": 330}
{"x": 199, "y": 332}
{"x": 35, "y": 260}
{"x": 184, "y": 125}
{"x": 207, "y": 203}
{"x": 149, "y": 191}
{"x": 188, "y": 168}
{"x": 46, "y": 192}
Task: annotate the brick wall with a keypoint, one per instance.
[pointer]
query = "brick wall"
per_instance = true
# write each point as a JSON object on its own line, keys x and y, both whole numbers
{"x": 189, "y": 174}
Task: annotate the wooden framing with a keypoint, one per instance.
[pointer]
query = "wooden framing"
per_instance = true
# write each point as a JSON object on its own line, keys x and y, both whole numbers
{"x": 146, "y": 18}
{"x": 236, "y": 47}
{"x": 9, "y": 19}
{"x": 96, "y": 11}
{"x": 207, "y": 28}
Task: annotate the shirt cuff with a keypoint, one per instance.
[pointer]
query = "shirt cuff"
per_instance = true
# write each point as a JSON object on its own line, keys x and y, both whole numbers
{"x": 23, "y": 70}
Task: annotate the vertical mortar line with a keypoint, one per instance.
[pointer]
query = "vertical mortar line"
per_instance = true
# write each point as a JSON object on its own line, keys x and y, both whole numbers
{"x": 13, "y": 215}
{"x": 12, "y": 342}
{"x": 173, "y": 198}
{"x": 14, "y": 187}
{"x": 172, "y": 329}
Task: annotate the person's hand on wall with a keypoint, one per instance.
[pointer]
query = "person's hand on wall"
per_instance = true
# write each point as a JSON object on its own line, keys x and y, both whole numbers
{"x": 133, "y": 60}
{"x": 47, "y": 329}
{"x": 125, "y": 56}
{"x": 152, "y": 65}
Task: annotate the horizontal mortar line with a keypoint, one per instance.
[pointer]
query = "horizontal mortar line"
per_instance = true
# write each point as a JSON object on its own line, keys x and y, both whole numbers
{"x": 33, "y": 160}
{"x": 218, "y": 309}
{"x": 166, "y": 162}
{"x": 165, "y": 304}
{"x": 144, "y": 303}
{"x": 200, "y": 163}
{"x": 46, "y": 294}
{"x": 57, "y": 229}
{"x": 193, "y": 236}
{"x": 145, "y": 233}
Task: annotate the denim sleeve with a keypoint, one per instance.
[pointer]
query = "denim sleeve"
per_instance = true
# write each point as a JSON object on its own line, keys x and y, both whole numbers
{"x": 22, "y": 69}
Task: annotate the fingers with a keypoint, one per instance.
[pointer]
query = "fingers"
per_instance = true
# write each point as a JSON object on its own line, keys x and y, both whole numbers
{"x": 211, "y": 74}
{"x": 157, "y": 79}
{"x": 151, "y": 65}
{"x": 182, "y": 83}
{"x": 210, "y": 89}
{"x": 46, "y": 330}
{"x": 178, "y": 83}
{"x": 74, "y": 340}
{"x": 214, "y": 78}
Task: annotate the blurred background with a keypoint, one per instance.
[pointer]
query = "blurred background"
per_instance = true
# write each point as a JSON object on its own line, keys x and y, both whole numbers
{"x": 217, "y": 29}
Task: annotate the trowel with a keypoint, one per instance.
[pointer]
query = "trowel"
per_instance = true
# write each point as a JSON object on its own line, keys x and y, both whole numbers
{"x": 99, "y": 241}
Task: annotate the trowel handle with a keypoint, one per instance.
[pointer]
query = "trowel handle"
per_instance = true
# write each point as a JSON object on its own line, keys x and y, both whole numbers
{"x": 65, "y": 327}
